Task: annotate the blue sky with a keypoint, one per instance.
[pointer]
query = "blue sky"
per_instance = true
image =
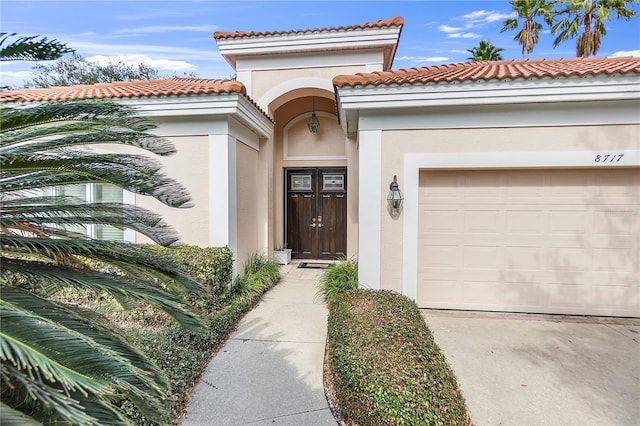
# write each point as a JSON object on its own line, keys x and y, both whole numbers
{"x": 176, "y": 36}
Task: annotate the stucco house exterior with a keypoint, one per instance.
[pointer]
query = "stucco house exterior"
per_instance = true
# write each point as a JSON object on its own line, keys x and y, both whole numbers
{"x": 521, "y": 179}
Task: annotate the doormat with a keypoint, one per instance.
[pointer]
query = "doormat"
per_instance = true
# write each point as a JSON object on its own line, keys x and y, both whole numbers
{"x": 313, "y": 265}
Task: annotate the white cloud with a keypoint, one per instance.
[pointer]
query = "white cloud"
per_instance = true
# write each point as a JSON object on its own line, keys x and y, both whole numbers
{"x": 424, "y": 59}
{"x": 464, "y": 35}
{"x": 620, "y": 53}
{"x": 14, "y": 79}
{"x": 168, "y": 29}
{"x": 135, "y": 59}
{"x": 485, "y": 17}
{"x": 90, "y": 48}
{"x": 448, "y": 29}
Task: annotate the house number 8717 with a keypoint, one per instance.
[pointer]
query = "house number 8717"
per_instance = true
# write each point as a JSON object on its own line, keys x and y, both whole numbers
{"x": 608, "y": 158}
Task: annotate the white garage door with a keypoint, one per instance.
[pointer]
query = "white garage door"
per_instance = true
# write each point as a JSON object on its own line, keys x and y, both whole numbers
{"x": 547, "y": 241}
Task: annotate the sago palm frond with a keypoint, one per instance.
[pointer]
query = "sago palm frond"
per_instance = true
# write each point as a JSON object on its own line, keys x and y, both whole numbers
{"x": 129, "y": 257}
{"x": 78, "y": 123}
{"x": 58, "y": 367}
{"x": 51, "y": 214}
{"x": 41, "y": 340}
{"x": 34, "y": 48}
{"x": 91, "y": 280}
{"x": 135, "y": 173}
{"x": 9, "y": 416}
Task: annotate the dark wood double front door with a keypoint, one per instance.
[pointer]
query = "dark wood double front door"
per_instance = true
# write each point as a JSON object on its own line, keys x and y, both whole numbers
{"x": 316, "y": 221}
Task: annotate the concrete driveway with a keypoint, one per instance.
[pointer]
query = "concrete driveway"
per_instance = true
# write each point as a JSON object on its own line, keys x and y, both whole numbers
{"x": 541, "y": 369}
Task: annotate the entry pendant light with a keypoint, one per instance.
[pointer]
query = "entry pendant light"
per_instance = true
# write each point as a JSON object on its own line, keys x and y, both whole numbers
{"x": 313, "y": 123}
{"x": 395, "y": 197}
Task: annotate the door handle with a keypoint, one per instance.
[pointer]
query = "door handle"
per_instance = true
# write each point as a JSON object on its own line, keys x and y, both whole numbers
{"x": 313, "y": 223}
{"x": 320, "y": 224}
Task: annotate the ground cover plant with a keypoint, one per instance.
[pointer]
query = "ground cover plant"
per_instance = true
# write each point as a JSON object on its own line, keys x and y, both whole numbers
{"x": 383, "y": 363}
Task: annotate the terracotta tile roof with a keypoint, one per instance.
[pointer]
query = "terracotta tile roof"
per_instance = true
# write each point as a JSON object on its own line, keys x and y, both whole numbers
{"x": 485, "y": 70}
{"x": 126, "y": 89}
{"x": 392, "y": 22}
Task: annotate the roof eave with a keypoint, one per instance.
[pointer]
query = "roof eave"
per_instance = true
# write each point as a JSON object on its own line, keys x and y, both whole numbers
{"x": 353, "y": 100}
{"x": 231, "y": 104}
{"x": 602, "y": 87}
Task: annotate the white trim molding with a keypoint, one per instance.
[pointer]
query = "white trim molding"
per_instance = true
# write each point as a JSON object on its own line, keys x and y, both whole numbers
{"x": 414, "y": 163}
{"x": 129, "y": 234}
{"x": 385, "y": 38}
{"x": 223, "y": 205}
{"x": 290, "y": 85}
{"x": 386, "y": 106}
{"x": 480, "y": 92}
{"x": 369, "y": 208}
{"x": 232, "y": 105}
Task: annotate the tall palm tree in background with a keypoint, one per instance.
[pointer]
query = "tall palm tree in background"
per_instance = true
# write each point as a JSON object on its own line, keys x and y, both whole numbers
{"x": 58, "y": 365}
{"x": 585, "y": 19}
{"x": 528, "y": 11}
{"x": 485, "y": 51}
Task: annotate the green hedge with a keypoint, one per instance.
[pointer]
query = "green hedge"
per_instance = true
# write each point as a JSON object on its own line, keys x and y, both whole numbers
{"x": 385, "y": 365}
{"x": 212, "y": 266}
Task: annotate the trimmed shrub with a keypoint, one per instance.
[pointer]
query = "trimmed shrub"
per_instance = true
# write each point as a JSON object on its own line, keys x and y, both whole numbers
{"x": 338, "y": 279}
{"x": 212, "y": 266}
{"x": 386, "y": 367}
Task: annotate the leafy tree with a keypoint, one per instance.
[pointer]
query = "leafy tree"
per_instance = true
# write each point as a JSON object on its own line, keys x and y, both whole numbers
{"x": 58, "y": 365}
{"x": 74, "y": 69}
{"x": 528, "y": 11}
{"x": 485, "y": 51}
{"x": 585, "y": 20}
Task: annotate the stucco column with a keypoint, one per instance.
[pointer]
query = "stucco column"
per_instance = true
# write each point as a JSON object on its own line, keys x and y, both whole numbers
{"x": 223, "y": 208}
{"x": 370, "y": 207}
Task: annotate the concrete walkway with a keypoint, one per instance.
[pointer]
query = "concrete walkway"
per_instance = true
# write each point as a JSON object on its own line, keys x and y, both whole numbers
{"x": 270, "y": 369}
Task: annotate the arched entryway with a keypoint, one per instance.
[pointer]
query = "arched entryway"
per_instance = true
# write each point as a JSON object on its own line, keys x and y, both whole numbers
{"x": 311, "y": 177}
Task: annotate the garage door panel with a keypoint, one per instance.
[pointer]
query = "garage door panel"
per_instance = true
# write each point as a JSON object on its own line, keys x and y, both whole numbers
{"x": 614, "y": 260}
{"x": 483, "y": 221}
{"x": 482, "y": 257}
{"x": 568, "y": 222}
{"x": 440, "y": 256}
{"x": 523, "y": 296}
{"x": 614, "y": 222}
{"x": 524, "y": 222}
{"x": 567, "y": 297}
{"x": 568, "y": 259}
{"x": 440, "y": 221}
{"x": 523, "y": 258}
{"x": 540, "y": 241}
{"x": 616, "y": 299}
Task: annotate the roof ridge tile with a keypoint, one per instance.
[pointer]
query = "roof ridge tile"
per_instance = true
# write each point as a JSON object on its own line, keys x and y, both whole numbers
{"x": 396, "y": 21}
{"x": 174, "y": 86}
{"x": 497, "y": 70}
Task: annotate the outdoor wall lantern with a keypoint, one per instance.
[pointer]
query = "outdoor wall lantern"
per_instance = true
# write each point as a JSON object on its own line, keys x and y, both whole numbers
{"x": 395, "y": 197}
{"x": 313, "y": 123}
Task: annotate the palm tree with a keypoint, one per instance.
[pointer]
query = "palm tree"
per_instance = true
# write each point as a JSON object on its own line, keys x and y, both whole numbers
{"x": 58, "y": 364}
{"x": 33, "y": 48}
{"x": 485, "y": 51}
{"x": 585, "y": 19}
{"x": 528, "y": 10}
